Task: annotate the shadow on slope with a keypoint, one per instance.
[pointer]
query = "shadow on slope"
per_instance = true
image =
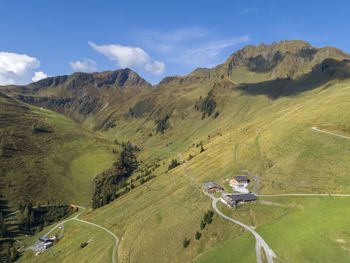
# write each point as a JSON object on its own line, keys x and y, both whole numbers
{"x": 324, "y": 72}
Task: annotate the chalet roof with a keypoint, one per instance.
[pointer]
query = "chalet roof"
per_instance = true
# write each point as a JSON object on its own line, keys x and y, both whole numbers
{"x": 243, "y": 197}
{"x": 241, "y": 178}
{"x": 210, "y": 185}
{"x": 44, "y": 238}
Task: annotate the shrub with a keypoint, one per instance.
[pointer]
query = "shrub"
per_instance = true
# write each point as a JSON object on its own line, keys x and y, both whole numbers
{"x": 198, "y": 235}
{"x": 84, "y": 244}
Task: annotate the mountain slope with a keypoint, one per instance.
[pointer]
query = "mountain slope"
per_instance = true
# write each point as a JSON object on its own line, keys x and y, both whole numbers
{"x": 82, "y": 95}
{"x": 45, "y": 156}
{"x": 252, "y": 114}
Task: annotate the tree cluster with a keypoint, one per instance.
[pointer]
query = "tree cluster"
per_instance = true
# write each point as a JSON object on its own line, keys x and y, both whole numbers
{"x": 174, "y": 163}
{"x": 28, "y": 219}
{"x": 112, "y": 180}
{"x": 207, "y": 105}
{"x": 34, "y": 219}
{"x": 162, "y": 124}
{"x": 207, "y": 219}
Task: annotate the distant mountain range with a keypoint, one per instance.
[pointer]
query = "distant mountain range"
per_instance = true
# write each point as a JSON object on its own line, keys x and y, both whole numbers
{"x": 105, "y": 98}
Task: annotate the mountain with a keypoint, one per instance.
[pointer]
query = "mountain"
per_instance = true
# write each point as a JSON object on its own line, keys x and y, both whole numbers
{"x": 286, "y": 59}
{"x": 44, "y": 155}
{"x": 252, "y": 114}
{"x": 101, "y": 101}
{"x": 81, "y": 95}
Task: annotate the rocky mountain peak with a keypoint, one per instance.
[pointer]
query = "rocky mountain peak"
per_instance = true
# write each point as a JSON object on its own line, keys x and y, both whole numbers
{"x": 118, "y": 78}
{"x": 290, "y": 58}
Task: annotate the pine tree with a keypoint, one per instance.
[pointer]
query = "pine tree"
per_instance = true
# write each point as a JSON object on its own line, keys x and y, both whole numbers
{"x": 2, "y": 225}
{"x": 186, "y": 242}
{"x": 13, "y": 253}
{"x": 32, "y": 219}
{"x": 202, "y": 225}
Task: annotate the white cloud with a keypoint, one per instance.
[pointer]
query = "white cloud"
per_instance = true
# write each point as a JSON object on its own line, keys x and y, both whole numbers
{"x": 192, "y": 46}
{"x": 17, "y": 68}
{"x": 87, "y": 65}
{"x": 248, "y": 11}
{"x": 207, "y": 53}
{"x": 38, "y": 76}
{"x": 156, "y": 67}
{"x": 126, "y": 56}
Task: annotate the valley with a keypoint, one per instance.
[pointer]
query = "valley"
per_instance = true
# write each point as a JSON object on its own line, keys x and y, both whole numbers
{"x": 279, "y": 111}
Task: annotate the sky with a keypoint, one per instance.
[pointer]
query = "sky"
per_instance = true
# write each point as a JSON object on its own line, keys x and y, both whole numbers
{"x": 154, "y": 38}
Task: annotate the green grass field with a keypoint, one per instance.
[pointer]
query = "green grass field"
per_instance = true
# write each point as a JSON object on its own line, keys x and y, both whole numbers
{"x": 313, "y": 229}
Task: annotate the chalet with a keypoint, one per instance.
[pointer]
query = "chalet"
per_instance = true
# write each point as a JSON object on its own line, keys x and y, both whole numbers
{"x": 48, "y": 244}
{"x": 240, "y": 180}
{"x": 233, "y": 200}
{"x": 212, "y": 187}
{"x": 44, "y": 239}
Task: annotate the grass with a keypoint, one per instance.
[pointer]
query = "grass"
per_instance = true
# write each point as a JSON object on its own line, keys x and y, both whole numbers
{"x": 271, "y": 139}
{"x": 241, "y": 249}
{"x": 64, "y": 161}
{"x": 305, "y": 234}
{"x": 68, "y": 248}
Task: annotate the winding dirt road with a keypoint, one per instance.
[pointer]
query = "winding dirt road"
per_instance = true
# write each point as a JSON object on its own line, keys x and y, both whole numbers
{"x": 260, "y": 242}
{"x": 276, "y": 195}
{"x": 330, "y": 133}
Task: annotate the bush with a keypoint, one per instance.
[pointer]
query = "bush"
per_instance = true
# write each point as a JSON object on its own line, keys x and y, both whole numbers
{"x": 84, "y": 244}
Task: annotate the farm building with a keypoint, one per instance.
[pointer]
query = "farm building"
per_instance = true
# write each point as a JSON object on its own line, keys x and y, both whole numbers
{"x": 212, "y": 187}
{"x": 233, "y": 200}
{"x": 240, "y": 180}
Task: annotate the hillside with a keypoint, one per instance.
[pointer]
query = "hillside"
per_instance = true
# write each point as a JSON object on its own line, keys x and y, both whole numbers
{"x": 252, "y": 114}
{"x": 81, "y": 95}
{"x": 46, "y": 157}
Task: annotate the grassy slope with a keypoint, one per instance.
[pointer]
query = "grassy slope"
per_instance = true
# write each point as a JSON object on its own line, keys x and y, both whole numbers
{"x": 68, "y": 248}
{"x": 272, "y": 139}
{"x": 64, "y": 161}
{"x": 305, "y": 233}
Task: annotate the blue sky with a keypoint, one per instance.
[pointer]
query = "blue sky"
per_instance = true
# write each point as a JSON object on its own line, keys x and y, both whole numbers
{"x": 154, "y": 38}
